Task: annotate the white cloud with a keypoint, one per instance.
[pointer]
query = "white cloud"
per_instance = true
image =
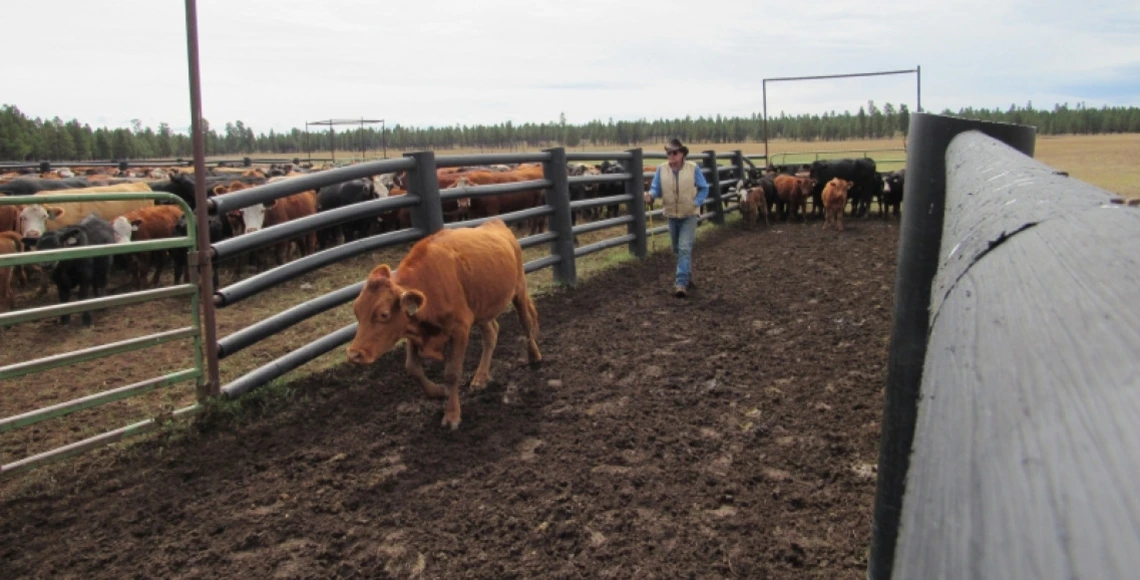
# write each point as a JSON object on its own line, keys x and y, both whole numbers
{"x": 278, "y": 63}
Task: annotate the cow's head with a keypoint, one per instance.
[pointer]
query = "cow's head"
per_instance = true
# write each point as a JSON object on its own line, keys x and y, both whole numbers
{"x": 253, "y": 217}
{"x": 34, "y": 219}
{"x": 807, "y": 184}
{"x": 463, "y": 202}
{"x": 840, "y": 185}
{"x": 383, "y": 312}
{"x": 123, "y": 229}
{"x": 63, "y": 238}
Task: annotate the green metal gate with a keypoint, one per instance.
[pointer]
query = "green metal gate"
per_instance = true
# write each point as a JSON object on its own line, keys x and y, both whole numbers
{"x": 30, "y": 368}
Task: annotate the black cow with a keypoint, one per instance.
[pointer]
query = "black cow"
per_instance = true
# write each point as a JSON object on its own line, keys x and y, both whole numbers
{"x": 90, "y": 274}
{"x": 611, "y": 188}
{"x": 182, "y": 185}
{"x": 771, "y": 200}
{"x": 860, "y": 172}
{"x": 893, "y": 196}
{"x": 582, "y": 191}
{"x": 33, "y": 185}
{"x": 339, "y": 195}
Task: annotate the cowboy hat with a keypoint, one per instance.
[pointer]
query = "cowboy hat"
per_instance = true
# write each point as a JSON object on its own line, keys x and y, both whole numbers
{"x": 676, "y": 145}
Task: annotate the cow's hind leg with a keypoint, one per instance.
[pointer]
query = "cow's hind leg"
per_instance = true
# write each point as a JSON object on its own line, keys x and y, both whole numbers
{"x": 528, "y": 317}
{"x": 414, "y": 364}
{"x": 490, "y": 331}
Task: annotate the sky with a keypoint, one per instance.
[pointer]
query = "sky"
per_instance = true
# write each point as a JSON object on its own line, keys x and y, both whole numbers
{"x": 277, "y": 64}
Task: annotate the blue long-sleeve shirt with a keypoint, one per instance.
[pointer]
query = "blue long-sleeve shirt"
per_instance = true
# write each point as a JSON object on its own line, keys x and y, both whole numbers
{"x": 699, "y": 180}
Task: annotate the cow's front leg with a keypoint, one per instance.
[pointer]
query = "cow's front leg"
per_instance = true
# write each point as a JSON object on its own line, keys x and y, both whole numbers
{"x": 85, "y": 293}
{"x": 414, "y": 364}
{"x": 63, "y": 288}
{"x": 490, "y": 331}
{"x": 452, "y": 373}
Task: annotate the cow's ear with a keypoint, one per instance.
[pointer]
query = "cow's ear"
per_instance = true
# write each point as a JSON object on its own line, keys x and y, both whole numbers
{"x": 54, "y": 211}
{"x": 411, "y": 301}
{"x": 381, "y": 271}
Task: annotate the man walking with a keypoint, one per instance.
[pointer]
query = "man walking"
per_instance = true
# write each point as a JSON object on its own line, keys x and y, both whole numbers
{"x": 682, "y": 189}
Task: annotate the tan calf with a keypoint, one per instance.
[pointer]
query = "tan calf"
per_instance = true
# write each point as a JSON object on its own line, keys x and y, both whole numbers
{"x": 834, "y": 200}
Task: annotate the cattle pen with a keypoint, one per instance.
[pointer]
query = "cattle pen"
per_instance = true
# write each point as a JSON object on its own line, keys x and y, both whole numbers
{"x": 424, "y": 200}
{"x": 742, "y": 446}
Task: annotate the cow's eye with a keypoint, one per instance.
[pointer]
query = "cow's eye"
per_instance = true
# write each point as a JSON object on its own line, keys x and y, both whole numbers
{"x": 383, "y": 316}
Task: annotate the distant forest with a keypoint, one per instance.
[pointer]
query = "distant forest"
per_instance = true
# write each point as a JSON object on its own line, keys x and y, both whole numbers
{"x": 27, "y": 139}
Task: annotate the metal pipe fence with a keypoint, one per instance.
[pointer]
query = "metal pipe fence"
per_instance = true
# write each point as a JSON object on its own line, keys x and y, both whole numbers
{"x": 1012, "y": 417}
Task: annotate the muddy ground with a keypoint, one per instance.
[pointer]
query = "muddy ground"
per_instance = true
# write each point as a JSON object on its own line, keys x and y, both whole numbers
{"x": 732, "y": 434}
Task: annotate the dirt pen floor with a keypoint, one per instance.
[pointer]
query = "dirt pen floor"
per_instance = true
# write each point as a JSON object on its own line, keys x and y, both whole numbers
{"x": 733, "y": 434}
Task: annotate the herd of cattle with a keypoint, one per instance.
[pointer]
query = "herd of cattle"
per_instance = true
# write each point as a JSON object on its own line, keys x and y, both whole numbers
{"x": 31, "y": 225}
{"x": 830, "y": 184}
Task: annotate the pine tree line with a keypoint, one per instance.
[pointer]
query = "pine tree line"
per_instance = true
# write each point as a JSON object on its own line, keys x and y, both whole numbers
{"x": 27, "y": 139}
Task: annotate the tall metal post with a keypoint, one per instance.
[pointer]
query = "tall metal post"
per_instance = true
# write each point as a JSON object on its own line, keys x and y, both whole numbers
{"x": 918, "y": 70}
{"x": 636, "y": 186}
{"x": 741, "y": 171}
{"x": 212, "y": 387}
{"x": 558, "y": 197}
{"x": 764, "y": 86}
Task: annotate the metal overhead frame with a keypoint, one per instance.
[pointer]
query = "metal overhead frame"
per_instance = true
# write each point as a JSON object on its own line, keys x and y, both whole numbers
{"x": 918, "y": 85}
{"x": 332, "y": 122}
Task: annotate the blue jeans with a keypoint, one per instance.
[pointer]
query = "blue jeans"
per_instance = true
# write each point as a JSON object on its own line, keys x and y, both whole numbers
{"x": 683, "y": 232}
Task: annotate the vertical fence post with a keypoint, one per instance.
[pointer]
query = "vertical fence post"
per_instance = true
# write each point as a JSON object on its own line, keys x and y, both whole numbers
{"x": 738, "y": 160}
{"x": 636, "y": 186}
{"x": 920, "y": 241}
{"x": 210, "y": 386}
{"x": 558, "y": 197}
{"x": 714, "y": 187}
{"x": 422, "y": 181}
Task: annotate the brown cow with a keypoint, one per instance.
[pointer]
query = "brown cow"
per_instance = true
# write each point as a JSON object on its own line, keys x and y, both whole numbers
{"x": 795, "y": 192}
{"x": 10, "y": 243}
{"x": 834, "y": 200}
{"x": 753, "y": 202}
{"x": 503, "y": 203}
{"x": 10, "y": 222}
{"x": 140, "y": 225}
{"x": 279, "y": 211}
{"x": 9, "y": 218}
{"x": 448, "y": 282}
